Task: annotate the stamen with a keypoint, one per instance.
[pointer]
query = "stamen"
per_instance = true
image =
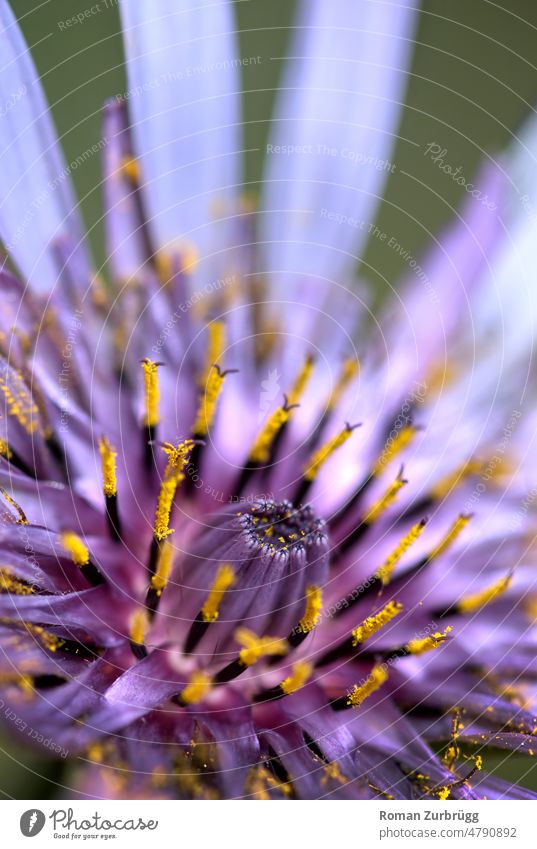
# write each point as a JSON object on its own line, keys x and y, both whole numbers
{"x": 367, "y": 629}
{"x": 76, "y": 548}
{"x": 209, "y": 400}
{"x": 474, "y": 601}
{"x": 161, "y": 577}
{"x": 49, "y": 641}
{"x": 5, "y": 450}
{"x": 152, "y": 393}
{"x": 360, "y": 692}
{"x": 401, "y": 440}
{"x": 374, "y": 623}
{"x": 260, "y": 453}
{"x": 11, "y": 584}
{"x": 215, "y": 349}
{"x": 181, "y": 258}
{"x": 225, "y": 579}
{"x": 178, "y": 457}
{"x": 108, "y": 465}
{"x": 460, "y": 523}
{"x": 152, "y": 404}
{"x": 426, "y": 644}
{"x": 446, "y": 484}
{"x": 196, "y": 690}
{"x": 300, "y": 674}
{"x": 257, "y": 647}
{"x": 452, "y": 751}
{"x": 81, "y": 558}
{"x": 19, "y": 401}
{"x": 322, "y": 454}
{"x": 349, "y": 370}
{"x": 386, "y": 500}
{"x": 130, "y": 169}
{"x": 314, "y": 606}
{"x": 384, "y": 573}
{"x": 22, "y": 520}
{"x": 374, "y": 512}
{"x": 139, "y": 628}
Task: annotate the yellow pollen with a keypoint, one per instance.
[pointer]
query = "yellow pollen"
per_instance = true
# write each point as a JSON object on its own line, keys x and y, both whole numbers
{"x": 385, "y": 501}
{"x": 48, "y": 640}
{"x": 302, "y": 381}
{"x": 10, "y": 584}
{"x": 178, "y": 458}
{"x": 314, "y": 606}
{"x": 215, "y": 349}
{"x": 444, "y": 486}
{"x": 386, "y": 570}
{"x": 208, "y": 403}
{"x": 22, "y": 520}
{"x": 257, "y": 647}
{"x": 300, "y": 674}
{"x": 372, "y": 624}
{"x": 24, "y": 682}
{"x": 139, "y": 627}
{"x": 377, "y": 677}
{"x": 130, "y": 169}
{"x": 325, "y": 451}
{"x": 19, "y": 402}
{"x": 444, "y": 793}
{"x": 333, "y": 772}
{"x": 225, "y": 578}
{"x": 161, "y": 577}
{"x": 152, "y": 393}
{"x": 260, "y": 452}
{"x": 349, "y": 371}
{"x": 460, "y": 523}
{"x": 196, "y": 689}
{"x": 474, "y": 601}
{"x": 403, "y": 437}
{"x": 420, "y": 646}
{"x": 76, "y": 548}
{"x": 108, "y": 465}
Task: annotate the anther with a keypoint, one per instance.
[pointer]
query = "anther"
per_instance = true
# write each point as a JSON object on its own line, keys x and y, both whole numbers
{"x": 108, "y": 466}
{"x": 80, "y": 556}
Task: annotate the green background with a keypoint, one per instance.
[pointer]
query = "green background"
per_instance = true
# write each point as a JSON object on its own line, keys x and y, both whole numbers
{"x": 473, "y": 79}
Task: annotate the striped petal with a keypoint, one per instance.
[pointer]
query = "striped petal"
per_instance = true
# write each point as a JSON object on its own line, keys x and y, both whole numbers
{"x": 334, "y": 130}
{"x": 38, "y": 208}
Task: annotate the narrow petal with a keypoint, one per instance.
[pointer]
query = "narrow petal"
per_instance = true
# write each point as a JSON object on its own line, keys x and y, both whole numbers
{"x": 334, "y": 131}
{"x": 38, "y": 207}
{"x": 182, "y": 74}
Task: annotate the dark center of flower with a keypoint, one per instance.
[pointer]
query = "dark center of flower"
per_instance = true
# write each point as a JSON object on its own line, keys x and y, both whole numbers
{"x": 278, "y": 529}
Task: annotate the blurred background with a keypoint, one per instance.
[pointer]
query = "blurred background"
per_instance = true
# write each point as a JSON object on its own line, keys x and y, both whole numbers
{"x": 473, "y": 80}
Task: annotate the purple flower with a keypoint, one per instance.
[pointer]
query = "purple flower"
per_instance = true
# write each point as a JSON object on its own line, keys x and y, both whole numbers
{"x": 259, "y": 540}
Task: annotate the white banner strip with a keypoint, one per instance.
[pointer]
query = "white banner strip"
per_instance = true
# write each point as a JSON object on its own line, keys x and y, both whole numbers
{"x": 276, "y": 824}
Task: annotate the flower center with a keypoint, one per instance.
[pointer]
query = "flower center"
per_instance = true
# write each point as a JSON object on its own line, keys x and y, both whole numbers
{"x": 277, "y": 529}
